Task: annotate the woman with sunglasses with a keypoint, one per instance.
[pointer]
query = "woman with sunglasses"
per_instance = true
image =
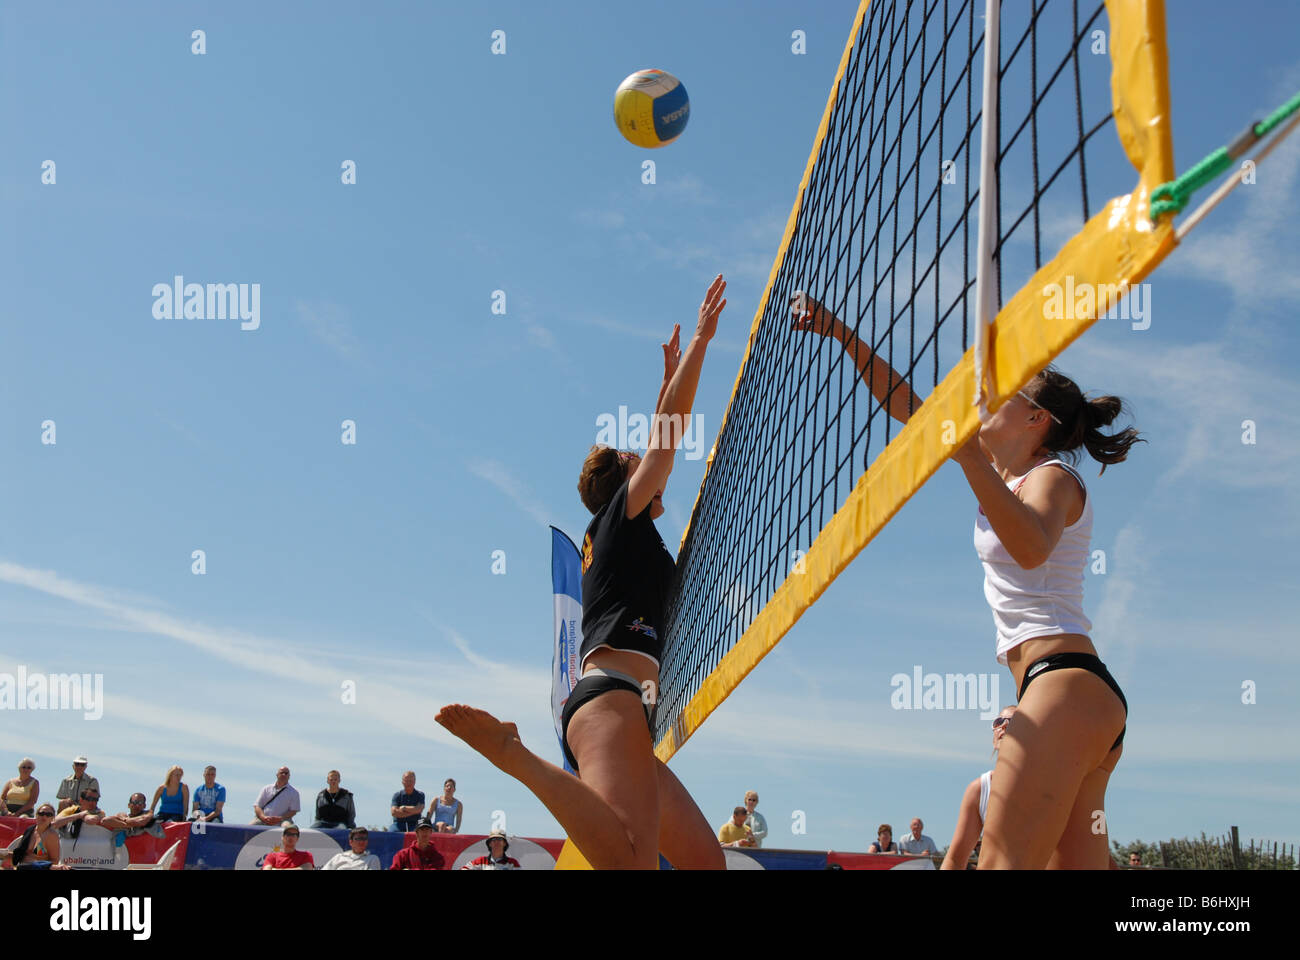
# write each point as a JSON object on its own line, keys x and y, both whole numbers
{"x": 1032, "y": 536}
{"x": 624, "y": 806}
{"x": 974, "y": 805}
{"x": 18, "y": 797}
{"x": 37, "y": 847}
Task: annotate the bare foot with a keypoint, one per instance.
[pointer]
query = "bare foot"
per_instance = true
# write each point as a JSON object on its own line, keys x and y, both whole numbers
{"x": 497, "y": 741}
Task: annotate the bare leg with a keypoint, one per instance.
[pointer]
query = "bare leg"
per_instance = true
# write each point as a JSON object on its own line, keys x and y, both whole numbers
{"x": 608, "y": 736}
{"x": 685, "y": 837}
{"x": 1062, "y": 733}
{"x": 1081, "y": 846}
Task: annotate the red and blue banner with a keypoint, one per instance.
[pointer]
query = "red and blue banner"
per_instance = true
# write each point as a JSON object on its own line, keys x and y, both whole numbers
{"x": 233, "y": 847}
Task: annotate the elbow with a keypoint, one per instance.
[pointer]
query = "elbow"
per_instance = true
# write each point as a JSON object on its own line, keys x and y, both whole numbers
{"x": 1031, "y": 558}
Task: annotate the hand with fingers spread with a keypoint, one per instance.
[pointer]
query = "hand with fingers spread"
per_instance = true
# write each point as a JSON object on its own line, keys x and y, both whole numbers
{"x": 710, "y": 308}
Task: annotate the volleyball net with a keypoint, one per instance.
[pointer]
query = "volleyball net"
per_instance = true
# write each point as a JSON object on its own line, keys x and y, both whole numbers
{"x": 885, "y": 233}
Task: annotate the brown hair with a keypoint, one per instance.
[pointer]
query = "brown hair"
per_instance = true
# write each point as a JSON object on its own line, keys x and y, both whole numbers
{"x": 1080, "y": 417}
{"x": 603, "y": 472}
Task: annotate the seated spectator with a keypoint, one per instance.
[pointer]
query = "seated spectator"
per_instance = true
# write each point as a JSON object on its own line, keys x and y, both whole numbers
{"x": 290, "y": 858}
{"x": 408, "y": 804}
{"x": 884, "y": 841}
{"x": 917, "y": 843}
{"x": 18, "y": 796}
{"x": 37, "y": 848}
{"x": 70, "y": 820}
{"x": 137, "y": 820}
{"x": 1135, "y": 859}
{"x": 734, "y": 833}
{"x": 446, "y": 811}
{"x": 423, "y": 855}
{"x": 334, "y": 805}
{"x": 496, "y": 858}
{"x": 209, "y": 798}
{"x": 358, "y": 858}
{"x": 70, "y": 787}
{"x": 278, "y": 802}
{"x": 175, "y": 797}
{"x": 754, "y": 820}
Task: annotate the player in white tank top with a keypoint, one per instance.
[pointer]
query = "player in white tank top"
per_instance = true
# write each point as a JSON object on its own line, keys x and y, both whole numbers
{"x": 1033, "y": 550}
{"x": 974, "y": 804}
{"x": 1032, "y": 536}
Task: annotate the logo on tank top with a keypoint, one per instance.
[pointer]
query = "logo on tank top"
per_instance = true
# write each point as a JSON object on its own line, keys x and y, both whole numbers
{"x": 640, "y": 626}
{"x": 586, "y": 553}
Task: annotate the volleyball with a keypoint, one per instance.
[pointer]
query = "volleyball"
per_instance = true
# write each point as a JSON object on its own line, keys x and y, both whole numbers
{"x": 651, "y": 108}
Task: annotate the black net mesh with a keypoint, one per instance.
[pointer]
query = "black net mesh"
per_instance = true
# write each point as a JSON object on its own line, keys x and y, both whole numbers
{"x": 886, "y": 239}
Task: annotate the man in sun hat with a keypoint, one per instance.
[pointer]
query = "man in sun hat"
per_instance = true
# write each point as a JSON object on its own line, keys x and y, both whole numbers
{"x": 496, "y": 858}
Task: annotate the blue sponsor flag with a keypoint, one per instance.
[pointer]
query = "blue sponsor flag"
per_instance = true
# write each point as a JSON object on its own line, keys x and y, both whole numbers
{"x": 566, "y": 581}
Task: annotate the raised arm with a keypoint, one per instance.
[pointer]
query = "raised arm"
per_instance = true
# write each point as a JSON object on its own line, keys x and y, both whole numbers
{"x": 885, "y": 383}
{"x": 967, "y": 831}
{"x": 675, "y": 402}
{"x": 1029, "y": 523}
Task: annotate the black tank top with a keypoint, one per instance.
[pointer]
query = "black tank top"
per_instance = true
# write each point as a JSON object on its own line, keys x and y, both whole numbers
{"x": 627, "y": 574}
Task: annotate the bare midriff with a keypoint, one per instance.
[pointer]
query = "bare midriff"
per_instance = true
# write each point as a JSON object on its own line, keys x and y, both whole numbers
{"x": 625, "y": 661}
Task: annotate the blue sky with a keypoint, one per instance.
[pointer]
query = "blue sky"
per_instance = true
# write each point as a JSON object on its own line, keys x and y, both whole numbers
{"x": 372, "y": 562}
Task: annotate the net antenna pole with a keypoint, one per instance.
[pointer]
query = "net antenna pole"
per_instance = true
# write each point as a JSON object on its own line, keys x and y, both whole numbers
{"x": 986, "y": 307}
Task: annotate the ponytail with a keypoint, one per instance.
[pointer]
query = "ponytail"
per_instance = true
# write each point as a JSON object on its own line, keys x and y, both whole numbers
{"x": 1080, "y": 420}
{"x": 1107, "y": 448}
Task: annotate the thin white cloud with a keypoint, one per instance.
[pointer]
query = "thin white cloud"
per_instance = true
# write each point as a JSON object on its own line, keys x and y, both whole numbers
{"x": 328, "y": 323}
{"x": 602, "y": 219}
{"x": 497, "y": 474}
{"x": 379, "y": 697}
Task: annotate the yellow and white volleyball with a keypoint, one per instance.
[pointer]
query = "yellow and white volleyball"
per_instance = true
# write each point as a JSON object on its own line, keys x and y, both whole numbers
{"x": 651, "y": 108}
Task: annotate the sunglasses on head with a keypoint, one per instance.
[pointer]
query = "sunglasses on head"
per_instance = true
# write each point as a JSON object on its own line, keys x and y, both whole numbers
{"x": 1034, "y": 403}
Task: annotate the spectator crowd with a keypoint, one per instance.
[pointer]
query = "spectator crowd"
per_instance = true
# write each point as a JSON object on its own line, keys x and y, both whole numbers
{"x": 76, "y": 803}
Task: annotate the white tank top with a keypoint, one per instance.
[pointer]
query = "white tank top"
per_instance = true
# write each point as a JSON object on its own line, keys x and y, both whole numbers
{"x": 986, "y": 780}
{"x": 1046, "y": 600}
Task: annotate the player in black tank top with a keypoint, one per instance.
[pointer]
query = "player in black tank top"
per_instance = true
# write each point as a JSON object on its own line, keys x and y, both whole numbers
{"x": 626, "y": 577}
{"x": 614, "y": 808}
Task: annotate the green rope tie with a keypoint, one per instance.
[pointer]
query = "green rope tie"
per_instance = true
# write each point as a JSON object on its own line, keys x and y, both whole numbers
{"x": 1171, "y": 197}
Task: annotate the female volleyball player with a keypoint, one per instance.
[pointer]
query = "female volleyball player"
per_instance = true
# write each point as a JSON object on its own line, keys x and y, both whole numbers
{"x": 1032, "y": 534}
{"x": 625, "y": 805}
{"x": 974, "y": 805}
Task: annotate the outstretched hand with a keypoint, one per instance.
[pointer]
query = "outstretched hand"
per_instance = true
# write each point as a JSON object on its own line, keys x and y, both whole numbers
{"x": 811, "y": 317}
{"x": 710, "y": 308}
{"x": 672, "y": 352}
